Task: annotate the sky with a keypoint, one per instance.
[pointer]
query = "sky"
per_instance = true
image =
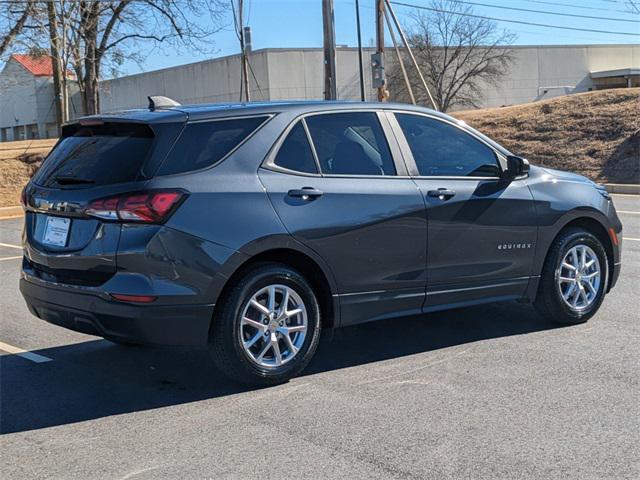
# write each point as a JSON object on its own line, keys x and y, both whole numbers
{"x": 298, "y": 23}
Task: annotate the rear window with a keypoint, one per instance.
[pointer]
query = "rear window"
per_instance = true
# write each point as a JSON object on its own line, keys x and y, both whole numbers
{"x": 97, "y": 155}
{"x": 351, "y": 143}
{"x": 204, "y": 143}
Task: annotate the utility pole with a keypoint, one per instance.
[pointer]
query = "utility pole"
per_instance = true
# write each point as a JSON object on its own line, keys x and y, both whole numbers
{"x": 243, "y": 56}
{"x": 361, "y": 69}
{"x": 381, "y": 82}
{"x": 329, "y": 35}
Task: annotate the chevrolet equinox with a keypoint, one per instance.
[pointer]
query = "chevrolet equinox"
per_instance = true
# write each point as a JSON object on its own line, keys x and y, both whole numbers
{"x": 249, "y": 228}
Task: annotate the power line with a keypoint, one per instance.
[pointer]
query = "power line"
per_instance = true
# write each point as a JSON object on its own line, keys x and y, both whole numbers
{"x": 623, "y": 2}
{"x": 421, "y": 7}
{"x": 575, "y": 15}
{"x": 627, "y": 3}
{"x": 542, "y": 2}
{"x": 571, "y": 5}
{"x": 255, "y": 79}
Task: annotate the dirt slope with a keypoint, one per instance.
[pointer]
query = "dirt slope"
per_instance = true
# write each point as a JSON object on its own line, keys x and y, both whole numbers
{"x": 15, "y": 169}
{"x": 596, "y": 133}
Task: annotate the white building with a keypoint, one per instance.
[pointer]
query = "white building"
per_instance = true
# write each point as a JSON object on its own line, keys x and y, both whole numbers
{"x": 26, "y": 98}
{"x": 538, "y": 72}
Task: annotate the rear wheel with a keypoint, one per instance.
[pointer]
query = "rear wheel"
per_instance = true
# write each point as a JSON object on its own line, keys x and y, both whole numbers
{"x": 267, "y": 327}
{"x": 574, "y": 278}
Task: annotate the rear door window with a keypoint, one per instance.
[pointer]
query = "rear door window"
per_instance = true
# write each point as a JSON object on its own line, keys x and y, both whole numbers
{"x": 204, "y": 143}
{"x": 97, "y": 155}
{"x": 350, "y": 144}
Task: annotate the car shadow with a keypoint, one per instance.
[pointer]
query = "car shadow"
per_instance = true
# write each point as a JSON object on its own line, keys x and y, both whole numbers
{"x": 96, "y": 379}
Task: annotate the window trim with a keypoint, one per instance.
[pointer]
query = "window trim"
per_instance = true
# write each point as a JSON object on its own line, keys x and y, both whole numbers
{"x": 387, "y": 131}
{"x": 269, "y": 161}
{"x": 303, "y": 122}
{"x": 268, "y": 117}
{"x": 407, "y": 154}
{"x": 275, "y": 150}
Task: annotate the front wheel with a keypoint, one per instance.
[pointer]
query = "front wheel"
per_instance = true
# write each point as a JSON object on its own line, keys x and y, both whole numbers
{"x": 267, "y": 327}
{"x": 574, "y": 278}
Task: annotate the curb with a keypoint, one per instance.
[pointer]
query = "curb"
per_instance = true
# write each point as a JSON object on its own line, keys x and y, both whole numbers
{"x": 627, "y": 189}
{"x": 11, "y": 212}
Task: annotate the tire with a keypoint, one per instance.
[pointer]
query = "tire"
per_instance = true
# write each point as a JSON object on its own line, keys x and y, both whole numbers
{"x": 238, "y": 322}
{"x": 556, "y": 284}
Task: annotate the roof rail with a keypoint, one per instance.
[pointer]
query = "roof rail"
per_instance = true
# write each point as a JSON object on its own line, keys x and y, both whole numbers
{"x": 158, "y": 102}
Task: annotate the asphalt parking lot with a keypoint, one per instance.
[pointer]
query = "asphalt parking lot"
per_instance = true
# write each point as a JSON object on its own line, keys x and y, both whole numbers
{"x": 486, "y": 392}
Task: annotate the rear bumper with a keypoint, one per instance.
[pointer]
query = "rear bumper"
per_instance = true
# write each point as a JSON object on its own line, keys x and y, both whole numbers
{"x": 92, "y": 314}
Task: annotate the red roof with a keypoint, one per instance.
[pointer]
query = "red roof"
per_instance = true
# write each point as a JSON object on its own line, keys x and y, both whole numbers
{"x": 40, "y": 66}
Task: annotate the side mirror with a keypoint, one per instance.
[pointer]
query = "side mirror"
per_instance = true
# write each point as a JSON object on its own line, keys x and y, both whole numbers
{"x": 516, "y": 167}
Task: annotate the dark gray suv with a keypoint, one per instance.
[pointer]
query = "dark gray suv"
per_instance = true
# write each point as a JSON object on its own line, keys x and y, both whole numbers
{"x": 250, "y": 228}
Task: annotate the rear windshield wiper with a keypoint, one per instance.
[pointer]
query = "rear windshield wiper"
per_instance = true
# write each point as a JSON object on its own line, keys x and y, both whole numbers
{"x": 70, "y": 180}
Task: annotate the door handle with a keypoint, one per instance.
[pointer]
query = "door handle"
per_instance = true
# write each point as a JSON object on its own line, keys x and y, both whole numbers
{"x": 442, "y": 193}
{"x": 305, "y": 193}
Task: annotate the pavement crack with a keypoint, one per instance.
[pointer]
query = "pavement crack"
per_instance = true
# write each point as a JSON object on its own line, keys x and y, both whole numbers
{"x": 413, "y": 370}
{"x": 140, "y": 471}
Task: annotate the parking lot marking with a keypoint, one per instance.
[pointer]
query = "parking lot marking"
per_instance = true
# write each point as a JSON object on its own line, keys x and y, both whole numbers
{"x": 628, "y": 212}
{"x": 632, "y": 239}
{"x": 34, "y": 357}
{"x": 8, "y": 245}
{"x": 10, "y": 258}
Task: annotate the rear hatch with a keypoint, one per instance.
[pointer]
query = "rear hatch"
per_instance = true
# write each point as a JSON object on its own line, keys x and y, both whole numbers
{"x": 71, "y": 227}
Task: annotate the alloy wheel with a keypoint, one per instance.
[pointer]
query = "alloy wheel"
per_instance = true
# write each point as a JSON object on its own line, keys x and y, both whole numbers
{"x": 273, "y": 326}
{"x": 578, "y": 277}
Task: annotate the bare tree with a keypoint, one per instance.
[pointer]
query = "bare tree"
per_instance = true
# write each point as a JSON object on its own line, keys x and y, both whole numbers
{"x": 633, "y": 6}
{"x": 13, "y": 20}
{"x": 90, "y": 37}
{"x": 456, "y": 53}
{"x": 111, "y": 32}
{"x": 56, "y": 58}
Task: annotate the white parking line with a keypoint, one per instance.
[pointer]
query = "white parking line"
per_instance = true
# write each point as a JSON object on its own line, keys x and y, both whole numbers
{"x": 34, "y": 357}
{"x": 628, "y": 212}
{"x": 8, "y": 245}
{"x": 9, "y": 258}
{"x": 632, "y": 239}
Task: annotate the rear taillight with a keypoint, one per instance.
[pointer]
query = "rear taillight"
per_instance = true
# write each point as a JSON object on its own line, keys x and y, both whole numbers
{"x": 140, "y": 207}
